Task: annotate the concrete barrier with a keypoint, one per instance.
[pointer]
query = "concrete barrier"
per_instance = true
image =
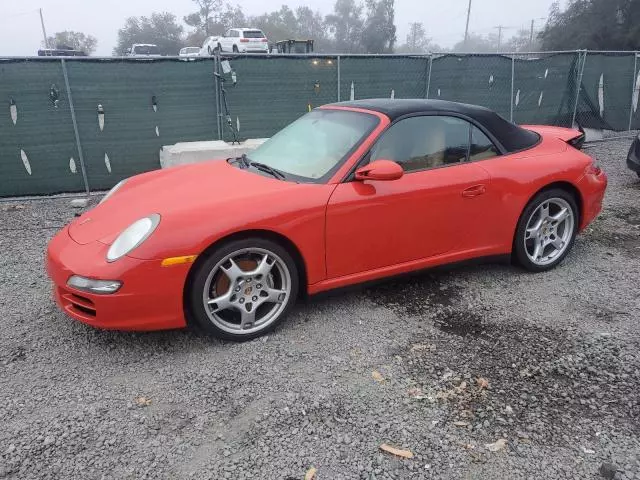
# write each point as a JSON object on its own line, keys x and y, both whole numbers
{"x": 192, "y": 152}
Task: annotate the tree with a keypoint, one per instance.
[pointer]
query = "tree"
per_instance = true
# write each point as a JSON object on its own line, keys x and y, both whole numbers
{"x": 160, "y": 29}
{"x": 213, "y": 18}
{"x": 74, "y": 41}
{"x": 593, "y": 24}
{"x": 201, "y": 20}
{"x": 345, "y": 25}
{"x": 311, "y": 26}
{"x": 417, "y": 41}
{"x": 379, "y": 33}
{"x": 279, "y": 25}
{"x": 478, "y": 44}
{"x": 522, "y": 42}
{"x": 285, "y": 24}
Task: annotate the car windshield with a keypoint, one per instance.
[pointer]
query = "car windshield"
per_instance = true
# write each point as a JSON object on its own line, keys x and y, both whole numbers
{"x": 313, "y": 147}
{"x": 146, "y": 50}
{"x": 253, "y": 34}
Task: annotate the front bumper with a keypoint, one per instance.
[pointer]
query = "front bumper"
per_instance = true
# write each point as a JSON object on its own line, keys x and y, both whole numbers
{"x": 150, "y": 297}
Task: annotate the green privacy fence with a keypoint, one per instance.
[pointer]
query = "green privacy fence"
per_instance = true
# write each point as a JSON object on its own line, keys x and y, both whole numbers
{"x": 126, "y": 109}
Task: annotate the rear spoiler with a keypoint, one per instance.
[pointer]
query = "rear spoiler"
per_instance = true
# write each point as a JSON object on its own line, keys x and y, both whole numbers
{"x": 573, "y": 137}
{"x": 578, "y": 142}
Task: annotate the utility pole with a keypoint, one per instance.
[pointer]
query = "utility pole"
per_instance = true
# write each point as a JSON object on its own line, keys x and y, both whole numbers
{"x": 531, "y": 35}
{"x": 533, "y": 21}
{"x": 466, "y": 30}
{"x": 44, "y": 32}
{"x": 500, "y": 28}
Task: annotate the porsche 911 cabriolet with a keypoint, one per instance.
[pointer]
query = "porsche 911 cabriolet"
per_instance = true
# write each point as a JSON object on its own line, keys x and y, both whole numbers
{"x": 348, "y": 193}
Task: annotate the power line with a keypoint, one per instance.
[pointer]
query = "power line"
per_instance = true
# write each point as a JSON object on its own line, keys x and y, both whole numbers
{"x": 20, "y": 14}
{"x": 500, "y": 29}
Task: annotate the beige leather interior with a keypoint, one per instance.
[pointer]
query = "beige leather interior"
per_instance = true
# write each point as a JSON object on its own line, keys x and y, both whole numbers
{"x": 429, "y": 151}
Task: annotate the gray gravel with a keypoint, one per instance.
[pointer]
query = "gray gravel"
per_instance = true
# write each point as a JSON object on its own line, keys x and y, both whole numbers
{"x": 550, "y": 363}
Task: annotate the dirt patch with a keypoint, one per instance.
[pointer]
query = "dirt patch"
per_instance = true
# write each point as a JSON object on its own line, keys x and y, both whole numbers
{"x": 544, "y": 384}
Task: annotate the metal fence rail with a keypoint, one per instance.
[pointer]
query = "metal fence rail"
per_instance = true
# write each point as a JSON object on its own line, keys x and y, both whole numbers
{"x": 83, "y": 123}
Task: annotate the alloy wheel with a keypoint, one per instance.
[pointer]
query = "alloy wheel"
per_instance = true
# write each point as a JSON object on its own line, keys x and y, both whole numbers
{"x": 247, "y": 291}
{"x": 549, "y": 231}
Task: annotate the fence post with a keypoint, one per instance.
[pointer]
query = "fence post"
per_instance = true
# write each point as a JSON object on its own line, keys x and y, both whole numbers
{"x": 75, "y": 127}
{"x": 513, "y": 74}
{"x": 633, "y": 88}
{"x": 339, "y": 80}
{"x": 217, "y": 86}
{"x": 429, "y": 74}
{"x": 583, "y": 54}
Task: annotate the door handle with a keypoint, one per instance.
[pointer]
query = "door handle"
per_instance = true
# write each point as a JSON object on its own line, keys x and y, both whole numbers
{"x": 474, "y": 191}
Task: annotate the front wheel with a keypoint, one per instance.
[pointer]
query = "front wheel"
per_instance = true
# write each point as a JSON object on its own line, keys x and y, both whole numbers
{"x": 547, "y": 230}
{"x": 244, "y": 289}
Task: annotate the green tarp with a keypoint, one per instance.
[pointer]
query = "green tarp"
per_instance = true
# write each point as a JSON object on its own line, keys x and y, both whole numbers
{"x": 151, "y": 103}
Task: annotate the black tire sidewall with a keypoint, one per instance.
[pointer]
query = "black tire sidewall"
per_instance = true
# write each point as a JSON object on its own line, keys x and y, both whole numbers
{"x": 519, "y": 248}
{"x": 204, "y": 267}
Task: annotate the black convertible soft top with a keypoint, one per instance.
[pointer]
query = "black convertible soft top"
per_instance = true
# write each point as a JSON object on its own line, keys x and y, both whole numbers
{"x": 511, "y": 137}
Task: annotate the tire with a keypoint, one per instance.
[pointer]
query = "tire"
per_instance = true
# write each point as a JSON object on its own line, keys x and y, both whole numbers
{"x": 557, "y": 236}
{"x": 235, "y": 49}
{"x": 218, "y": 49}
{"x": 255, "y": 292}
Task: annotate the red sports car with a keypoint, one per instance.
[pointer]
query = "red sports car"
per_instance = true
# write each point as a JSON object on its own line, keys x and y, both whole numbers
{"x": 348, "y": 193}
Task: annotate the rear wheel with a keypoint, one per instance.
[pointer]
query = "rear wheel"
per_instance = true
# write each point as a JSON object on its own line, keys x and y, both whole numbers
{"x": 235, "y": 49}
{"x": 244, "y": 289}
{"x": 547, "y": 230}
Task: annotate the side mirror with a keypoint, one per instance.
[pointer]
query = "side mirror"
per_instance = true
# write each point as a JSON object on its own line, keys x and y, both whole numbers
{"x": 381, "y": 170}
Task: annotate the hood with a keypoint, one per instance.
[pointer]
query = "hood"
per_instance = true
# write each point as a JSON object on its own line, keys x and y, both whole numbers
{"x": 177, "y": 192}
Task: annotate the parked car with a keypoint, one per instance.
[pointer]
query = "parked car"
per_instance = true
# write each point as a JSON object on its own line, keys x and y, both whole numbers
{"x": 633, "y": 159}
{"x": 144, "y": 50}
{"x": 348, "y": 193}
{"x": 189, "y": 52}
{"x": 243, "y": 40}
{"x": 210, "y": 46}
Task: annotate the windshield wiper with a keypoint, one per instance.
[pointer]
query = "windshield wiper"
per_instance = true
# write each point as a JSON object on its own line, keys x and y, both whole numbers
{"x": 267, "y": 169}
{"x": 244, "y": 160}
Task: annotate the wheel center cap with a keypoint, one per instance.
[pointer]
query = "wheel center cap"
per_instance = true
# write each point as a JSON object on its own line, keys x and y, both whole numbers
{"x": 248, "y": 290}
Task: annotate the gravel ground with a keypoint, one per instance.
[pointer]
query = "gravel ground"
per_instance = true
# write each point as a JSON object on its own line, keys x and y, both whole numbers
{"x": 481, "y": 372}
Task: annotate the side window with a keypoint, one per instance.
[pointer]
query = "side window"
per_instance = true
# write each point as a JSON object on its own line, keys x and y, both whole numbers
{"x": 419, "y": 143}
{"x": 481, "y": 147}
{"x": 229, "y": 33}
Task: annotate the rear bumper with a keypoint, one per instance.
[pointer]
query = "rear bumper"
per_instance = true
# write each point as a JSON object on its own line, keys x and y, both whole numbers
{"x": 150, "y": 297}
{"x": 592, "y": 188}
{"x": 253, "y": 49}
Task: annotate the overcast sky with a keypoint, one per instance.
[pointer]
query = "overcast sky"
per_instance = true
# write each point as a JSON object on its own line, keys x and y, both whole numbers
{"x": 20, "y": 32}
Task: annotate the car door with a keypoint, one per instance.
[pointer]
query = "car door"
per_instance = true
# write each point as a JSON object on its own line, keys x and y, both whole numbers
{"x": 432, "y": 210}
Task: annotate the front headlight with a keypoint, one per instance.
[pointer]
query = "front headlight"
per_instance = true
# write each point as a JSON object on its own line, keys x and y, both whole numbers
{"x": 113, "y": 190}
{"x": 132, "y": 237}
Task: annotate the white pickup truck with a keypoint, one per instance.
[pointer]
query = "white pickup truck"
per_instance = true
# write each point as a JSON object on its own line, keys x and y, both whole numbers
{"x": 243, "y": 40}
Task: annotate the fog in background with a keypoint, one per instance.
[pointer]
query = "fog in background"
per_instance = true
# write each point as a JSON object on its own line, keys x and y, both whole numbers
{"x": 444, "y": 20}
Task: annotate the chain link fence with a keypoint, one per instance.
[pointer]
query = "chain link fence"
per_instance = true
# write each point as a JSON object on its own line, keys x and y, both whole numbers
{"x": 81, "y": 124}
